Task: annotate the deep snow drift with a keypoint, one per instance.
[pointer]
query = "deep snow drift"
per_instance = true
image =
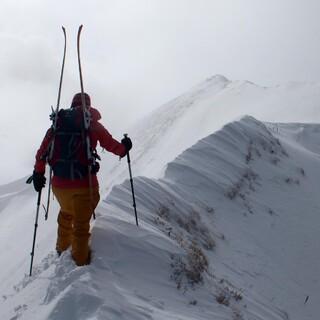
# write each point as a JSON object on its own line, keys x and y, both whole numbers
{"x": 231, "y": 231}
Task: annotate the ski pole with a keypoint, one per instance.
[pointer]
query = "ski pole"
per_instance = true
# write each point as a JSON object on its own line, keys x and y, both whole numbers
{"x": 35, "y": 231}
{"x": 131, "y": 182}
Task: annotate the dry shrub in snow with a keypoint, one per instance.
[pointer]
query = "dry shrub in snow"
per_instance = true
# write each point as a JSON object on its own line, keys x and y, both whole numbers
{"x": 189, "y": 269}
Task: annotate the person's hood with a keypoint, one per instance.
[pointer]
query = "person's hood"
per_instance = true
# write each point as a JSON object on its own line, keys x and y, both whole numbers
{"x": 95, "y": 114}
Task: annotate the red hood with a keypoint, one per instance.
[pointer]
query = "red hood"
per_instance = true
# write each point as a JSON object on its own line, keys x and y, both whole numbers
{"x": 95, "y": 114}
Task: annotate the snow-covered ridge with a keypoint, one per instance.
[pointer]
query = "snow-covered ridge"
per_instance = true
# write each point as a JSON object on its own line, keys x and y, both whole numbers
{"x": 229, "y": 232}
{"x": 162, "y": 135}
{"x": 241, "y": 194}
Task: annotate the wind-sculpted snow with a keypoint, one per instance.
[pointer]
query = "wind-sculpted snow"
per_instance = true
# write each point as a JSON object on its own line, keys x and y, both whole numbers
{"x": 237, "y": 201}
{"x": 231, "y": 231}
{"x": 172, "y": 128}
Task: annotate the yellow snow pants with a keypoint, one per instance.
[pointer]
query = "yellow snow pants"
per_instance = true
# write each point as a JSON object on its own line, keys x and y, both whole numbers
{"x": 76, "y": 209}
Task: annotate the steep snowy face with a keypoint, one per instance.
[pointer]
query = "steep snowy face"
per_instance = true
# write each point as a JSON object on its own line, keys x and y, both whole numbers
{"x": 244, "y": 207}
{"x": 180, "y": 123}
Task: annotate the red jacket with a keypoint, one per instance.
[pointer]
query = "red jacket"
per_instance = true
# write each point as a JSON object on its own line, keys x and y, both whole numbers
{"x": 97, "y": 132}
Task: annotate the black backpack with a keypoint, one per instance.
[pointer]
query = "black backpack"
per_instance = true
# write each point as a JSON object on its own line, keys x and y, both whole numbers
{"x": 69, "y": 157}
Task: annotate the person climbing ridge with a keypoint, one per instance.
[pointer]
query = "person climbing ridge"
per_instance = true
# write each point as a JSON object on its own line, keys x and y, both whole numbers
{"x": 64, "y": 148}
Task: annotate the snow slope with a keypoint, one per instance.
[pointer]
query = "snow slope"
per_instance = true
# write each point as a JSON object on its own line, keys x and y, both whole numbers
{"x": 231, "y": 231}
{"x": 162, "y": 135}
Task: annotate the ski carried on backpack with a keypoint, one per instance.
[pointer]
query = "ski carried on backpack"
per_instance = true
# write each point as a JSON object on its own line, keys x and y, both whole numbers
{"x": 86, "y": 121}
{"x": 54, "y": 119}
{"x": 70, "y": 154}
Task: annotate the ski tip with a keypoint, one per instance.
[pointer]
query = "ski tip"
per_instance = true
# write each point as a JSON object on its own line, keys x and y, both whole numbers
{"x": 80, "y": 27}
{"x": 63, "y": 29}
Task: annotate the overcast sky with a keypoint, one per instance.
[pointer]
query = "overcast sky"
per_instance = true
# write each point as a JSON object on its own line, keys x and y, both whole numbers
{"x": 138, "y": 54}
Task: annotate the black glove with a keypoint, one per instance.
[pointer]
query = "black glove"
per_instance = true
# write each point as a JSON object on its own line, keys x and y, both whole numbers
{"x": 95, "y": 167}
{"x": 39, "y": 181}
{"x": 126, "y": 141}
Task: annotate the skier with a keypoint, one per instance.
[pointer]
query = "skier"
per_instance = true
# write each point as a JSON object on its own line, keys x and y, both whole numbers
{"x": 76, "y": 190}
